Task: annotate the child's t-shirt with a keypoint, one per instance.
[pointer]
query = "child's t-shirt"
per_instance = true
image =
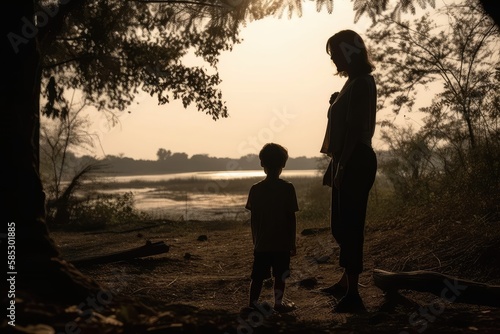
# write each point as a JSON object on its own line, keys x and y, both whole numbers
{"x": 273, "y": 204}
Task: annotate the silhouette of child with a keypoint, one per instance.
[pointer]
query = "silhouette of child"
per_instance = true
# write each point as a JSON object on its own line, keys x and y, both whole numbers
{"x": 272, "y": 203}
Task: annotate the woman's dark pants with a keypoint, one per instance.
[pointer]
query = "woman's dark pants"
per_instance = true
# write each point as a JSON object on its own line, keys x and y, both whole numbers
{"x": 348, "y": 211}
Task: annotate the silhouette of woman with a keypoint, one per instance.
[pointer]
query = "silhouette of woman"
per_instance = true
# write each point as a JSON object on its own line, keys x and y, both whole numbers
{"x": 351, "y": 125}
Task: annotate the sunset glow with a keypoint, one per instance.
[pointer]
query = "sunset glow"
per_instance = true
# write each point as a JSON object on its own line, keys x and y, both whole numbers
{"x": 276, "y": 83}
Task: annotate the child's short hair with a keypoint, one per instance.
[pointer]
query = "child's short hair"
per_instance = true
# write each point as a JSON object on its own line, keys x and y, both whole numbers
{"x": 273, "y": 156}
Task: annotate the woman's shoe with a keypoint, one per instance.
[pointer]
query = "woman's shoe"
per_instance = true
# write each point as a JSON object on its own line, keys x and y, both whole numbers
{"x": 350, "y": 304}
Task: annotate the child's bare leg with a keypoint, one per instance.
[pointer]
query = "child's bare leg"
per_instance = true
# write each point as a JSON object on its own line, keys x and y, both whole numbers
{"x": 255, "y": 290}
{"x": 279, "y": 291}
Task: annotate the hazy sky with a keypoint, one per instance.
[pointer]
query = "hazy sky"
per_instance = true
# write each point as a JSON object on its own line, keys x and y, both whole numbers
{"x": 276, "y": 83}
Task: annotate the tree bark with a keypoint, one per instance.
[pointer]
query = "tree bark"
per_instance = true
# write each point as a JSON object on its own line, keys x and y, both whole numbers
{"x": 37, "y": 264}
{"x": 23, "y": 189}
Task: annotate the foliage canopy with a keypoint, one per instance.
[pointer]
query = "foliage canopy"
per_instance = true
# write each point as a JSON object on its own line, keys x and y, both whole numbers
{"x": 111, "y": 50}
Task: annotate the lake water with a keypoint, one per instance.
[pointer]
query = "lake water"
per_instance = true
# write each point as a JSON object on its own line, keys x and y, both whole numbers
{"x": 215, "y": 175}
{"x": 204, "y": 205}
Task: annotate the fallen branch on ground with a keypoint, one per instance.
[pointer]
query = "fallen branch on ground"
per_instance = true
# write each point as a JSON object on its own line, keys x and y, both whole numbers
{"x": 447, "y": 287}
{"x": 150, "y": 248}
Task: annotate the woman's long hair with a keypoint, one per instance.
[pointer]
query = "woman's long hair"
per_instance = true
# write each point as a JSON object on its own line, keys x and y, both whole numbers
{"x": 353, "y": 48}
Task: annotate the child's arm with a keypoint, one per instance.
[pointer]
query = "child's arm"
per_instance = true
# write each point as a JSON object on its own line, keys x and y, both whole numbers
{"x": 294, "y": 207}
{"x": 293, "y": 233}
{"x": 248, "y": 206}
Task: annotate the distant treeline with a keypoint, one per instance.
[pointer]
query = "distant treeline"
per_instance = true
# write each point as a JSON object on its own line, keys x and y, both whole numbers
{"x": 181, "y": 162}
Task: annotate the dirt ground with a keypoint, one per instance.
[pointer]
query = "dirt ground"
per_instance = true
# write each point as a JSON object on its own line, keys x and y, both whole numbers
{"x": 207, "y": 281}
{"x": 200, "y": 286}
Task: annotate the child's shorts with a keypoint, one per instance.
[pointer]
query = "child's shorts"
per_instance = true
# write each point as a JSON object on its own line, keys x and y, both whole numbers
{"x": 263, "y": 262}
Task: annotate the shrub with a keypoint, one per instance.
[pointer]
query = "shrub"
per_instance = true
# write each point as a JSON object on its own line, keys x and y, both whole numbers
{"x": 102, "y": 210}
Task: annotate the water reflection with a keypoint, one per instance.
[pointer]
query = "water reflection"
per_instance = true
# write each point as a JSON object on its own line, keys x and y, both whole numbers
{"x": 213, "y": 175}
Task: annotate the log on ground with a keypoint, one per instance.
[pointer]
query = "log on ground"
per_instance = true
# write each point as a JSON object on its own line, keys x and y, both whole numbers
{"x": 149, "y": 249}
{"x": 449, "y": 288}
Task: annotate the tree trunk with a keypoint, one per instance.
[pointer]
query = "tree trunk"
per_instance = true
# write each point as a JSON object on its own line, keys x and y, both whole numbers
{"x": 25, "y": 197}
{"x": 470, "y": 129}
{"x": 37, "y": 267}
